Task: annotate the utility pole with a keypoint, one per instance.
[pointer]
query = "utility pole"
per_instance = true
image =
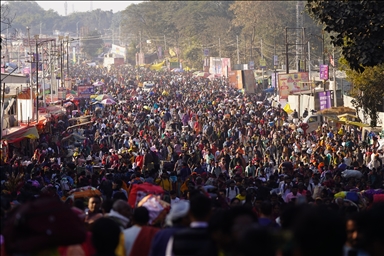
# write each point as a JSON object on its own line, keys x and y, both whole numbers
{"x": 30, "y": 70}
{"x": 262, "y": 57}
{"x": 219, "y": 49}
{"x": 334, "y": 78}
{"x": 37, "y": 77}
{"x": 245, "y": 49}
{"x": 286, "y": 51}
{"x": 237, "y": 46}
{"x": 309, "y": 61}
{"x": 274, "y": 64}
{"x": 6, "y": 45}
{"x": 77, "y": 29}
{"x": 67, "y": 56}
{"x": 119, "y": 34}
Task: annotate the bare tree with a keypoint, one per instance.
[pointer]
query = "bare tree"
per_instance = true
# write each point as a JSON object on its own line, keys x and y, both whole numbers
{"x": 6, "y": 21}
{"x": 6, "y": 17}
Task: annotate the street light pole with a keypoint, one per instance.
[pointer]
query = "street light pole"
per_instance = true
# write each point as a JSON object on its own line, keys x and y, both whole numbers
{"x": 37, "y": 78}
{"x": 68, "y": 56}
{"x": 77, "y": 29}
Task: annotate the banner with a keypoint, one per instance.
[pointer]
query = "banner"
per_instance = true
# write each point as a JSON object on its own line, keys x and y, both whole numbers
{"x": 263, "y": 63}
{"x": 85, "y": 91}
{"x": 157, "y": 67}
{"x": 251, "y": 65}
{"x": 215, "y": 66}
{"x": 159, "y": 52}
{"x": 291, "y": 83}
{"x": 74, "y": 55}
{"x": 325, "y": 100}
{"x": 118, "y": 50}
{"x": 324, "y": 71}
{"x": 275, "y": 61}
{"x": 172, "y": 52}
{"x": 225, "y": 66}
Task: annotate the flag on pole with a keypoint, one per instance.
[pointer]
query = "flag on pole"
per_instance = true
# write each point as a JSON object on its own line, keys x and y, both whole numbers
{"x": 331, "y": 60}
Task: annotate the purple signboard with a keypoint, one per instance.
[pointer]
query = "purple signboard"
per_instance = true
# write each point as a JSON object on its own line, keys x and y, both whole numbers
{"x": 324, "y": 72}
{"x": 325, "y": 100}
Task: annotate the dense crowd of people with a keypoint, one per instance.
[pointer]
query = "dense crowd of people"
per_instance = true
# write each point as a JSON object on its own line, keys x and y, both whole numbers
{"x": 238, "y": 176}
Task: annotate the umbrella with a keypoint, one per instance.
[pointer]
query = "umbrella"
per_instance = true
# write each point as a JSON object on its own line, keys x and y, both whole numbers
{"x": 98, "y": 83}
{"x": 82, "y": 192}
{"x": 146, "y": 108}
{"x": 108, "y": 102}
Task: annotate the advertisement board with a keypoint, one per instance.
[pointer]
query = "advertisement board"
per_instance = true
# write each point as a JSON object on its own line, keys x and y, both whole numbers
{"x": 118, "y": 50}
{"x": 249, "y": 82}
{"x": 235, "y": 79}
{"x": 291, "y": 83}
{"x": 325, "y": 100}
{"x": 85, "y": 91}
{"x": 215, "y": 65}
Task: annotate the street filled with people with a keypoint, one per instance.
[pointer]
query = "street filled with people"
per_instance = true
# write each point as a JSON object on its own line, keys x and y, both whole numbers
{"x": 189, "y": 166}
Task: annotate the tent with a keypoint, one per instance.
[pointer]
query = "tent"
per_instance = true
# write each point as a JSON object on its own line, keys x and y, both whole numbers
{"x": 139, "y": 191}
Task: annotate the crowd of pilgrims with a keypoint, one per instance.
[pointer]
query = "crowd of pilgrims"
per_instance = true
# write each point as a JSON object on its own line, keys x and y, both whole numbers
{"x": 239, "y": 176}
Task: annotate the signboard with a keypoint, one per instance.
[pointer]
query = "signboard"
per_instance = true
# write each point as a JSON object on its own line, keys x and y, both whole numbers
{"x": 291, "y": 83}
{"x": 251, "y": 65}
{"x": 263, "y": 63}
{"x": 324, "y": 72}
{"x": 118, "y": 50}
{"x": 249, "y": 82}
{"x": 275, "y": 61}
{"x": 273, "y": 80}
{"x": 206, "y": 52}
{"x": 235, "y": 79}
{"x": 325, "y": 100}
{"x": 85, "y": 91}
{"x": 173, "y": 65}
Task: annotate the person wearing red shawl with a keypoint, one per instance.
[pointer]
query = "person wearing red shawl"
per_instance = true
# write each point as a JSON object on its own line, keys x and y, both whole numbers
{"x": 138, "y": 238}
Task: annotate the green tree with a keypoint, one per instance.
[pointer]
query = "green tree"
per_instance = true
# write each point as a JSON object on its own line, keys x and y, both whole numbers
{"x": 92, "y": 44}
{"x": 358, "y": 28}
{"x": 368, "y": 89}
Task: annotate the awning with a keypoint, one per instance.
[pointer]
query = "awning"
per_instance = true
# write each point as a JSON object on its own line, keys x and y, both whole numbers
{"x": 20, "y": 133}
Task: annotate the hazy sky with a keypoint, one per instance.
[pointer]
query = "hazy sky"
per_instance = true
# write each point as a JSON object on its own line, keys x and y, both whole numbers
{"x": 84, "y": 6}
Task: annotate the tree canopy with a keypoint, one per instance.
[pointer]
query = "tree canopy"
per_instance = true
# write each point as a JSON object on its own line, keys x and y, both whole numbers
{"x": 358, "y": 28}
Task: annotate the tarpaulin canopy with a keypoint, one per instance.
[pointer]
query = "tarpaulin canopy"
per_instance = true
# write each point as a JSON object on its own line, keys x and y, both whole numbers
{"x": 19, "y": 133}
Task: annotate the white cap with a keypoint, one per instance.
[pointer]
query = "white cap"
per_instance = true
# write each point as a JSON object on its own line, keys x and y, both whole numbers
{"x": 178, "y": 210}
